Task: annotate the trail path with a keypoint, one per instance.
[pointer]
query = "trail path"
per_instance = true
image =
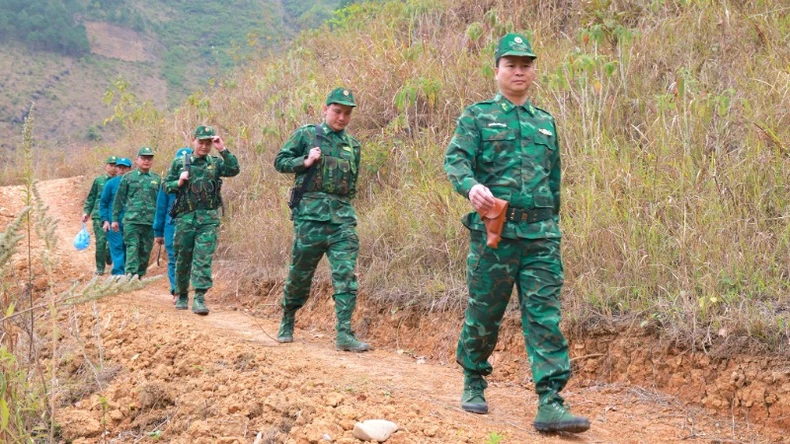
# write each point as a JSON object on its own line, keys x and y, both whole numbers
{"x": 221, "y": 378}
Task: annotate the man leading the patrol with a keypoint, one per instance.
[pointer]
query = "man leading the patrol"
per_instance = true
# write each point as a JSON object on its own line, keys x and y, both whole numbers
{"x": 136, "y": 198}
{"x": 326, "y": 168}
{"x": 91, "y": 210}
{"x": 507, "y": 148}
{"x": 196, "y": 212}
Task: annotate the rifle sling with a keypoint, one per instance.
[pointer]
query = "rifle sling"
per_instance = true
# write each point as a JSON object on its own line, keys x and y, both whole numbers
{"x": 319, "y": 132}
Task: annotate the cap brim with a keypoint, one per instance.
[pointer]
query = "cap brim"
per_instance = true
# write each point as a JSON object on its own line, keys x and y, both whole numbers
{"x": 353, "y": 105}
{"x": 204, "y": 137}
{"x": 518, "y": 54}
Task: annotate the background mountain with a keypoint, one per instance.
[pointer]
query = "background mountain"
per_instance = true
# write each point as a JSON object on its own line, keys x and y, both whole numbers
{"x": 64, "y": 56}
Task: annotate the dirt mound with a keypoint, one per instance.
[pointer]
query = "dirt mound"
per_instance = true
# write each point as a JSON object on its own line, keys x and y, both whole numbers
{"x": 134, "y": 369}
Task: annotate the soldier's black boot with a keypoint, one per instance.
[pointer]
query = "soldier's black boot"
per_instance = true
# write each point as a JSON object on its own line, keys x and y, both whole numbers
{"x": 473, "y": 399}
{"x": 344, "y": 308}
{"x": 286, "y": 332}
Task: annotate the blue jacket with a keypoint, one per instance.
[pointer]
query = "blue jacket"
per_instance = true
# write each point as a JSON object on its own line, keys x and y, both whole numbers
{"x": 163, "y": 223}
{"x": 107, "y": 198}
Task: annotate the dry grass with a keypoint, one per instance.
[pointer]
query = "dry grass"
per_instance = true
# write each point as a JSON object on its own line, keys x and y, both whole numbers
{"x": 673, "y": 118}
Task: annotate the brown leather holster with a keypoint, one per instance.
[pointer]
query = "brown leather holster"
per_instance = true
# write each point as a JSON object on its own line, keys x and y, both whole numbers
{"x": 494, "y": 219}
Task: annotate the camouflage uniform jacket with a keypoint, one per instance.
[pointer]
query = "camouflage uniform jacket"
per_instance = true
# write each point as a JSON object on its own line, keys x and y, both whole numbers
{"x": 92, "y": 202}
{"x": 514, "y": 151}
{"x": 203, "y": 187}
{"x": 334, "y": 184}
{"x": 137, "y": 195}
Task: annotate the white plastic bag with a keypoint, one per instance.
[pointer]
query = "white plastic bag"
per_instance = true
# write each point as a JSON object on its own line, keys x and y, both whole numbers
{"x": 83, "y": 239}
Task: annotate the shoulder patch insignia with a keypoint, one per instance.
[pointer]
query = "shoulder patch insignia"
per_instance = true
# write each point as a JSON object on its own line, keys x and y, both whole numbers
{"x": 545, "y": 132}
{"x": 347, "y": 148}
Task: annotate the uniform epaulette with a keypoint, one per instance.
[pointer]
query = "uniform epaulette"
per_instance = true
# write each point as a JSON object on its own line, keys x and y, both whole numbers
{"x": 543, "y": 111}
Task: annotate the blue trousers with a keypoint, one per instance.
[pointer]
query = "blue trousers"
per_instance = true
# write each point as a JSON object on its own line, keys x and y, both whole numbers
{"x": 170, "y": 229}
{"x": 117, "y": 251}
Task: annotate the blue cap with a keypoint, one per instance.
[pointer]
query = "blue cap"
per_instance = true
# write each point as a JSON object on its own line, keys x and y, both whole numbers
{"x": 182, "y": 151}
{"x": 123, "y": 161}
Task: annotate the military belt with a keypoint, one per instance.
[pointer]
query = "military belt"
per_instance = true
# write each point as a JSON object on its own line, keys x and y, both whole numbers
{"x": 529, "y": 216}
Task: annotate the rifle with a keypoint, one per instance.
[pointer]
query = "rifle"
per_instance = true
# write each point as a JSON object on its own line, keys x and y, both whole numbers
{"x": 297, "y": 193}
{"x": 181, "y": 195}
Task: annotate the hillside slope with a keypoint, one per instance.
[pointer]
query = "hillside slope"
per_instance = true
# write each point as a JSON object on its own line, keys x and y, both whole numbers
{"x": 164, "y": 50}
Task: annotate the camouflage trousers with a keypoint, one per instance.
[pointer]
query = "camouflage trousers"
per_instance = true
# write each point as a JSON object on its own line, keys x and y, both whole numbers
{"x": 313, "y": 239}
{"x": 139, "y": 240}
{"x": 102, "y": 247}
{"x": 535, "y": 266}
{"x": 194, "y": 243}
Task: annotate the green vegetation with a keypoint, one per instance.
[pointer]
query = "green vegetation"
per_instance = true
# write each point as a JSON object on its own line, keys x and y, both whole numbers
{"x": 44, "y": 25}
{"x": 165, "y": 50}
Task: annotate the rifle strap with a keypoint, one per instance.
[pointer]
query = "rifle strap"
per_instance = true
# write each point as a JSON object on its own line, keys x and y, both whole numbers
{"x": 319, "y": 132}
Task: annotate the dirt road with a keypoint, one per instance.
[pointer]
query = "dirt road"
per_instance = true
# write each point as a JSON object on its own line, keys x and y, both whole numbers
{"x": 136, "y": 370}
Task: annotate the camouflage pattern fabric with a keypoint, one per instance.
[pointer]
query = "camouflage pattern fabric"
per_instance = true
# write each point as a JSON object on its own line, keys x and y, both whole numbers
{"x": 196, "y": 231}
{"x": 313, "y": 239}
{"x": 114, "y": 239}
{"x": 136, "y": 198}
{"x": 194, "y": 244}
{"x": 138, "y": 240}
{"x": 535, "y": 267}
{"x": 102, "y": 255}
{"x": 203, "y": 188}
{"x": 91, "y": 208}
{"x": 324, "y": 221}
{"x": 328, "y": 198}
{"x": 514, "y": 151}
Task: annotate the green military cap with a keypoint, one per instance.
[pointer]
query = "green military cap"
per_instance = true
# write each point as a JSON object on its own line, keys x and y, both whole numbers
{"x": 514, "y": 45}
{"x": 145, "y": 151}
{"x": 341, "y": 96}
{"x": 112, "y": 159}
{"x": 204, "y": 132}
{"x": 123, "y": 161}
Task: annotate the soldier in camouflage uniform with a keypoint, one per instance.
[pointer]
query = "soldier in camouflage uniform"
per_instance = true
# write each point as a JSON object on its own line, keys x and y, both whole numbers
{"x": 197, "y": 220}
{"x": 324, "y": 220}
{"x": 508, "y": 148}
{"x": 136, "y": 197}
{"x": 91, "y": 210}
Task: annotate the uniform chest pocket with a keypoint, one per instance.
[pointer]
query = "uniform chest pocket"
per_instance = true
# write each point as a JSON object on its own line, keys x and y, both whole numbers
{"x": 497, "y": 143}
{"x": 336, "y": 175}
{"x": 546, "y": 140}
